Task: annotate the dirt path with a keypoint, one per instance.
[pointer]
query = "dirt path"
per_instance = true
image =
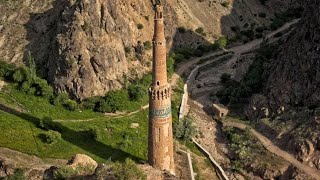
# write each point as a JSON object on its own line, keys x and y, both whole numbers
{"x": 275, "y": 149}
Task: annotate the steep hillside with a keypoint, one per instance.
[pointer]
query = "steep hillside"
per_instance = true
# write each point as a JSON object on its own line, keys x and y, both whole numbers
{"x": 295, "y": 73}
{"x": 87, "y": 47}
{"x": 291, "y": 92}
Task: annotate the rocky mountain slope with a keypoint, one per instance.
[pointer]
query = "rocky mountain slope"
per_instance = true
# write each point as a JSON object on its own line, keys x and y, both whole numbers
{"x": 292, "y": 91}
{"x": 295, "y": 73}
{"x": 87, "y": 48}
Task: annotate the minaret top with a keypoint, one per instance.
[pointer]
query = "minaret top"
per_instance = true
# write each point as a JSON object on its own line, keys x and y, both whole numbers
{"x": 158, "y": 8}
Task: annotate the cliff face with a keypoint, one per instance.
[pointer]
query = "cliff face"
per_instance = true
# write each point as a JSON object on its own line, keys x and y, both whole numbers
{"x": 292, "y": 91}
{"x": 295, "y": 74}
{"x": 87, "y": 48}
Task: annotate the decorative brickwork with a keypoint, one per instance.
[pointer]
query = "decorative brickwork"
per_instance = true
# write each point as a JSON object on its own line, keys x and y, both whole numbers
{"x": 160, "y": 146}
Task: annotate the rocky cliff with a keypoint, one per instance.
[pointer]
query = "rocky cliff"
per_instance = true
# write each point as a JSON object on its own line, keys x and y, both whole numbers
{"x": 295, "y": 73}
{"x": 87, "y": 48}
{"x": 292, "y": 91}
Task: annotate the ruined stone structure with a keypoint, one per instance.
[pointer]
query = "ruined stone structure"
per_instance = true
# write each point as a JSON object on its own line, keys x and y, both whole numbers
{"x": 220, "y": 110}
{"x": 160, "y": 150}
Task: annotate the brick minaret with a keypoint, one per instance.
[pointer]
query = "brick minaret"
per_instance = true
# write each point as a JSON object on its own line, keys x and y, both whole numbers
{"x": 160, "y": 150}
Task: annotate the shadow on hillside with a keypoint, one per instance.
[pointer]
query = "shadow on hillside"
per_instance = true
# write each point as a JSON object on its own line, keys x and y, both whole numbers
{"x": 82, "y": 139}
{"x": 42, "y": 33}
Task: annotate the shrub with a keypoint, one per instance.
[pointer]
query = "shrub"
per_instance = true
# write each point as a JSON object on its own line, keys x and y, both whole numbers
{"x": 262, "y": 15}
{"x": 127, "y": 49}
{"x": 118, "y": 100}
{"x": 25, "y": 86}
{"x": 184, "y": 129}
{"x": 32, "y": 91}
{"x": 147, "y": 45}
{"x": 64, "y": 173}
{"x": 222, "y": 42}
{"x": 19, "y": 174}
{"x": 43, "y": 89}
{"x": 136, "y": 92}
{"x": 225, "y": 4}
{"x": 17, "y": 76}
{"x": 61, "y": 99}
{"x": 140, "y": 26}
{"x": 200, "y": 30}
{"x": 225, "y": 78}
{"x": 51, "y": 137}
{"x": 259, "y": 29}
{"x": 235, "y": 28}
{"x": 71, "y": 105}
{"x": 198, "y": 53}
{"x": 5, "y": 69}
{"x": 90, "y": 103}
{"x": 103, "y": 106}
{"x": 127, "y": 171}
{"x": 181, "y": 29}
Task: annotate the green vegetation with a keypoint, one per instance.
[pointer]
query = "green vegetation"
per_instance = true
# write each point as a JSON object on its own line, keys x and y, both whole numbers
{"x": 147, "y": 45}
{"x": 182, "y": 29}
{"x": 222, "y": 42}
{"x": 225, "y": 4}
{"x": 185, "y": 129}
{"x": 234, "y": 91}
{"x": 140, "y": 26}
{"x": 129, "y": 99}
{"x": 51, "y": 137}
{"x": 18, "y": 175}
{"x": 107, "y": 141}
{"x": 200, "y": 30}
{"x": 249, "y": 152}
{"x": 67, "y": 172}
{"x": 43, "y": 127}
{"x": 127, "y": 171}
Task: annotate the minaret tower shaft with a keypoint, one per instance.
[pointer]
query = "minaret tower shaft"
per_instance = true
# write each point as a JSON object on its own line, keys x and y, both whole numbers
{"x": 160, "y": 145}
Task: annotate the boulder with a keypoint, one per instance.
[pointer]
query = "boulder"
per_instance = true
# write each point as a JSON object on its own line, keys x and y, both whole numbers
{"x": 134, "y": 125}
{"x": 82, "y": 160}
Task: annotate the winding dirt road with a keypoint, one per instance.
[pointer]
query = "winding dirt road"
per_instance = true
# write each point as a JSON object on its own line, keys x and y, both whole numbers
{"x": 275, "y": 149}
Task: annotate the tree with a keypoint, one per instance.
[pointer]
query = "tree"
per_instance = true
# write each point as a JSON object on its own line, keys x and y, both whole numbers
{"x": 71, "y": 105}
{"x": 147, "y": 45}
{"x": 136, "y": 92}
{"x": 17, "y": 76}
{"x": 140, "y": 26}
{"x": 118, "y": 100}
{"x": 103, "y": 107}
{"x": 222, "y": 41}
{"x": 225, "y": 77}
{"x": 25, "y": 86}
{"x": 32, "y": 66}
{"x": 185, "y": 129}
{"x": 60, "y": 99}
{"x": 52, "y": 137}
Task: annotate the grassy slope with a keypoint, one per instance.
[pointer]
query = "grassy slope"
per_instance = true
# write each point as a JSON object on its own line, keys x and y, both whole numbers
{"x": 115, "y": 138}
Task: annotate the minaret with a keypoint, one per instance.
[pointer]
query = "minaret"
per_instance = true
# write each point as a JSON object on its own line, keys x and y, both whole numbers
{"x": 160, "y": 150}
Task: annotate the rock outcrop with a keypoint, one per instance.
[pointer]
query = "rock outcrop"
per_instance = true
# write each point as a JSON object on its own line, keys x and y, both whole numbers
{"x": 294, "y": 78}
{"x": 83, "y": 160}
{"x": 292, "y": 90}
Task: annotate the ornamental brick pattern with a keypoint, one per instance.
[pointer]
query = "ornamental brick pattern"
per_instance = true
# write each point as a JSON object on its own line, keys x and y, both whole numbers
{"x": 160, "y": 145}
